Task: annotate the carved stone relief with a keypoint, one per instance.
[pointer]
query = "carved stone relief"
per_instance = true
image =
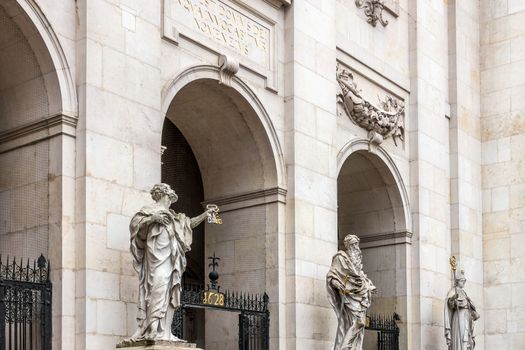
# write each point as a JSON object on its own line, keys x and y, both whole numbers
{"x": 386, "y": 119}
{"x": 373, "y": 11}
{"x": 229, "y": 67}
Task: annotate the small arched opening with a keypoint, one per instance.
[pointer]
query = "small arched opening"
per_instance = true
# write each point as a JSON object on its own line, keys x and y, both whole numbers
{"x": 372, "y": 206}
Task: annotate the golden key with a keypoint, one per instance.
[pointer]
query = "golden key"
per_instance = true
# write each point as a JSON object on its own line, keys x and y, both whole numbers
{"x": 213, "y": 216}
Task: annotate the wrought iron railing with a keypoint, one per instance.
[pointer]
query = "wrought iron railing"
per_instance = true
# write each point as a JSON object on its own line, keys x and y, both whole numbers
{"x": 233, "y": 301}
{"x": 254, "y": 315}
{"x": 387, "y": 330}
{"x": 25, "y": 305}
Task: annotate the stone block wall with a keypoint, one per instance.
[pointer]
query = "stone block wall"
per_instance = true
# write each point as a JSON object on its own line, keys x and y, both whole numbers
{"x": 24, "y": 204}
{"x": 503, "y": 171}
{"x": 465, "y": 147}
{"x": 456, "y": 65}
{"x": 117, "y": 159}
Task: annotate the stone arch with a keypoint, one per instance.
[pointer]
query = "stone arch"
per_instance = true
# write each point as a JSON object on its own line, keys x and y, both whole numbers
{"x": 241, "y": 164}
{"x": 210, "y": 72}
{"x": 380, "y": 157}
{"x": 51, "y": 55}
{"x": 38, "y": 112}
{"x": 38, "y": 107}
{"x": 373, "y": 204}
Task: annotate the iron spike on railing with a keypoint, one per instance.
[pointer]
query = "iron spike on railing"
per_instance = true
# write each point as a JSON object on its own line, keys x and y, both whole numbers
{"x": 27, "y": 270}
{"x": 14, "y": 268}
{"x": 41, "y": 261}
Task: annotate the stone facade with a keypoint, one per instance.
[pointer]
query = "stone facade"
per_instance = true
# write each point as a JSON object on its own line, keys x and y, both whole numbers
{"x": 86, "y": 88}
{"x": 503, "y": 174}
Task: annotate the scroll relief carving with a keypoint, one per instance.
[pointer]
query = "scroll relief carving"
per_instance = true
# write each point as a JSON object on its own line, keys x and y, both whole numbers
{"x": 373, "y": 11}
{"x": 387, "y": 119}
{"x": 228, "y": 68}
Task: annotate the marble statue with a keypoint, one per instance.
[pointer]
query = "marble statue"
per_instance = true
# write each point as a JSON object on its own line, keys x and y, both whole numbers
{"x": 160, "y": 239}
{"x": 349, "y": 293}
{"x": 460, "y": 314}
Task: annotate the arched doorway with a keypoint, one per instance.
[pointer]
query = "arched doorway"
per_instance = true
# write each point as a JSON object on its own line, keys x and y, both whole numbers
{"x": 371, "y": 205}
{"x": 38, "y": 110}
{"x": 29, "y": 97}
{"x": 224, "y": 157}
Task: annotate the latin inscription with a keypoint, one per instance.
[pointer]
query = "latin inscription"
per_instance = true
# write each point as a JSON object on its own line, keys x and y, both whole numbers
{"x": 226, "y": 25}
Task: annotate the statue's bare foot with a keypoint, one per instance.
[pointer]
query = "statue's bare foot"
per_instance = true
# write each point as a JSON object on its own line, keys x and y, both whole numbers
{"x": 135, "y": 337}
{"x": 151, "y": 332}
{"x": 170, "y": 337}
{"x": 174, "y": 338}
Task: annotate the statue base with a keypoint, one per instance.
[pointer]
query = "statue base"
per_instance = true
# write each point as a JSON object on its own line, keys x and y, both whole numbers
{"x": 156, "y": 345}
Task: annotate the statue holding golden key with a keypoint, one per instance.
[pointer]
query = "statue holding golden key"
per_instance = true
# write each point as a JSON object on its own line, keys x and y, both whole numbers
{"x": 160, "y": 239}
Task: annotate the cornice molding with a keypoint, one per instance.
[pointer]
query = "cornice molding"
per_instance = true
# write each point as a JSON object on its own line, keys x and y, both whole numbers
{"x": 279, "y": 3}
{"x": 249, "y": 199}
{"x": 39, "y": 130}
{"x": 385, "y": 239}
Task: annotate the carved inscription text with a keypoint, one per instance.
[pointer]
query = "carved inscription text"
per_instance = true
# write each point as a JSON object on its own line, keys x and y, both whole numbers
{"x": 223, "y": 23}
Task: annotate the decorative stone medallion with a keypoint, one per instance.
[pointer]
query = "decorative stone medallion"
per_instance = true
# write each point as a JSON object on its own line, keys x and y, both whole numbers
{"x": 373, "y": 10}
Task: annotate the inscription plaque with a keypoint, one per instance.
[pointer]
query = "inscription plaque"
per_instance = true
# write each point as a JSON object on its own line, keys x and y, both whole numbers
{"x": 221, "y": 22}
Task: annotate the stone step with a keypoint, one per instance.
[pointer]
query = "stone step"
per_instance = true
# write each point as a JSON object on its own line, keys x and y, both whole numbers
{"x": 157, "y": 345}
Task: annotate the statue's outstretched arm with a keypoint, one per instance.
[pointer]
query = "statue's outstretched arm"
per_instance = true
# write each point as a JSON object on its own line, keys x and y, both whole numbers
{"x": 195, "y": 221}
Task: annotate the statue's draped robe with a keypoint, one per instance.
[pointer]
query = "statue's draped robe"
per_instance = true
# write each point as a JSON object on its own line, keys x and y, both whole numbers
{"x": 159, "y": 258}
{"x": 351, "y": 307}
{"x": 460, "y": 315}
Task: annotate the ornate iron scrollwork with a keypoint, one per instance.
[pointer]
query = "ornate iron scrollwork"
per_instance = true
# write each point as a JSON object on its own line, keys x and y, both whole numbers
{"x": 373, "y": 11}
{"x": 382, "y": 121}
{"x": 25, "y": 304}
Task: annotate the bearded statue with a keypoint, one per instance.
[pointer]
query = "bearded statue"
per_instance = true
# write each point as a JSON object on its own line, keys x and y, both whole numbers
{"x": 350, "y": 294}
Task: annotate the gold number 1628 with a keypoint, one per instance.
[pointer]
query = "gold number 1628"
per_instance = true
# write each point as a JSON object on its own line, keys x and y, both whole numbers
{"x": 213, "y": 298}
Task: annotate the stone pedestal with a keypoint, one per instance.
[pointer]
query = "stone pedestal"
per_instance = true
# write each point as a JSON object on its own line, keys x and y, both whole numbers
{"x": 157, "y": 345}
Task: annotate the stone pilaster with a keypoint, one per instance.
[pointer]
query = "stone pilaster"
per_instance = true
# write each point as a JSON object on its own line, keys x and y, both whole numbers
{"x": 503, "y": 171}
{"x": 310, "y": 107}
{"x": 118, "y": 157}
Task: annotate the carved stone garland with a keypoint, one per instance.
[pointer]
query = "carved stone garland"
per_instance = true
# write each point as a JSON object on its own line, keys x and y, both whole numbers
{"x": 373, "y": 11}
{"x": 382, "y": 121}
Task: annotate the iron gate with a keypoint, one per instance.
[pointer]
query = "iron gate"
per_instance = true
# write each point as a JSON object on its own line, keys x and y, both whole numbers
{"x": 387, "y": 331}
{"x": 254, "y": 316}
{"x": 25, "y": 305}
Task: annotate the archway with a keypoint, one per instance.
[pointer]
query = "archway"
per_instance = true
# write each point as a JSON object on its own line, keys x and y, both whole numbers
{"x": 235, "y": 158}
{"x": 31, "y": 100}
{"x": 371, "y": 205}
{"x": 38, "y": 110}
